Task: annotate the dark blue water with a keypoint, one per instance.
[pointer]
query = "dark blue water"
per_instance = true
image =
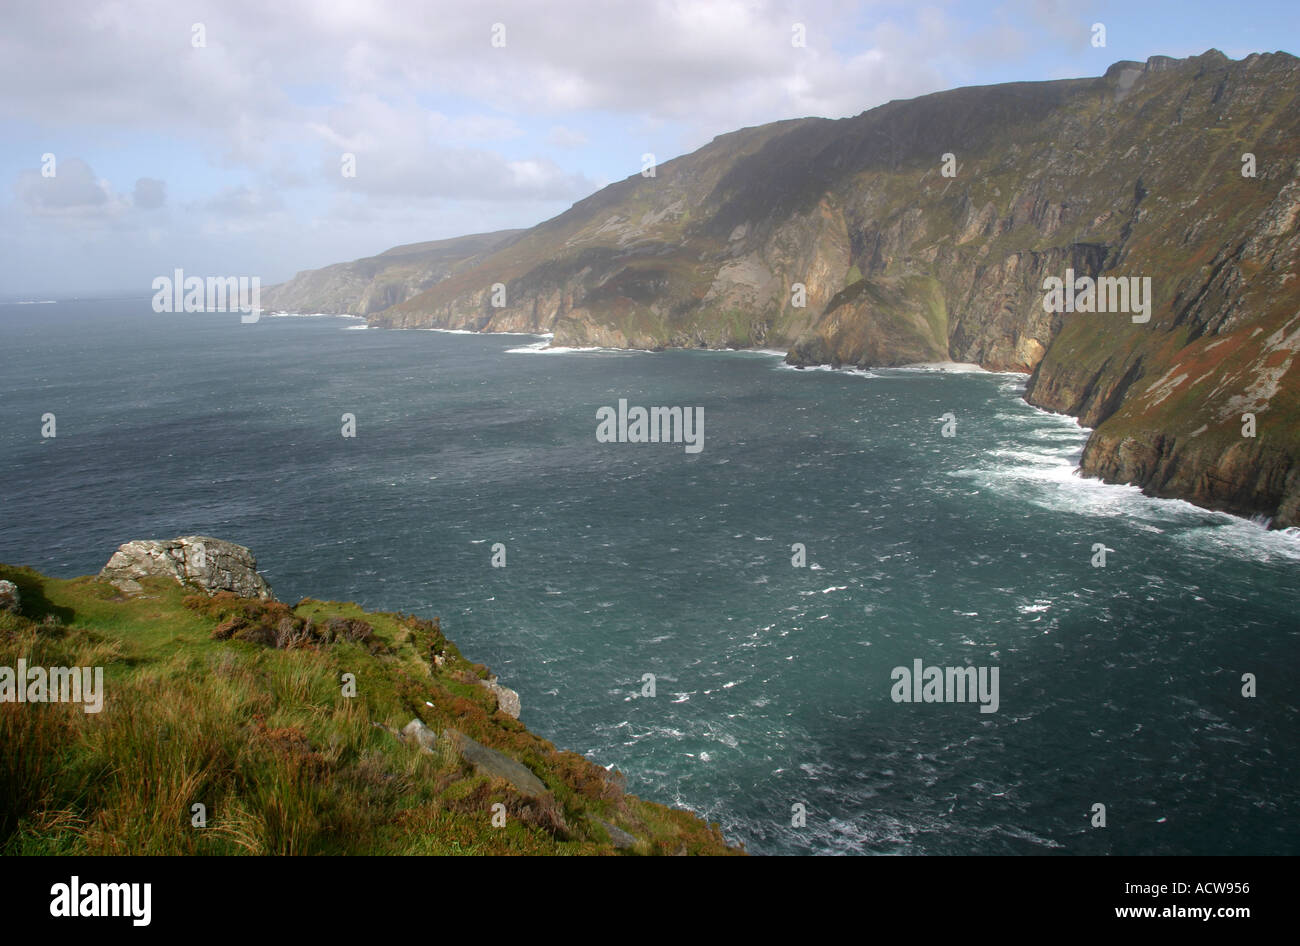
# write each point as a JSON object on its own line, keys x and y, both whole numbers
{"x": 1119, "y": 685}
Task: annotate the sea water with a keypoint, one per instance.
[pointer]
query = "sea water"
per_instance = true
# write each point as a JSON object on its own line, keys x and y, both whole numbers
{"x": 827, "y": 533}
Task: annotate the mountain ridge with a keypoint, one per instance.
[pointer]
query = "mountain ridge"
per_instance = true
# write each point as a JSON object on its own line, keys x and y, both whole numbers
{"x": 372, "y": 283}
{"x": 923, "y": 230}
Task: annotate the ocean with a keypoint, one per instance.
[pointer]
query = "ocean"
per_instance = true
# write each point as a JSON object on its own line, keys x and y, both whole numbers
{"x": 827, "y": 533}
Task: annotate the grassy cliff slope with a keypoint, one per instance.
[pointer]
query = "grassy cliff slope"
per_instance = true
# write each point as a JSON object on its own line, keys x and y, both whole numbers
{"x": 239, "y": 705}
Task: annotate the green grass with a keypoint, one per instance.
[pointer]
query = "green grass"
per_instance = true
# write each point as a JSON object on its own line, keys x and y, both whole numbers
{"x": 265, "y": 739}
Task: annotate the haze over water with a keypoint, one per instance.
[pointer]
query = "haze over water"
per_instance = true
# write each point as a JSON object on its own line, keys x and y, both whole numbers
{"x": 1119, "y": 685}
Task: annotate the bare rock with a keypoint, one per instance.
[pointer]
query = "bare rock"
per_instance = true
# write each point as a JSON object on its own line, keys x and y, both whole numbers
{"x": 418, "y": 733}
{"x": 507, "y": 699}
{"x": 617, "y": 836}
{"x": 496, "y": 764}
{"x": 10, "y": 600}
{"x": 209, "y": 564}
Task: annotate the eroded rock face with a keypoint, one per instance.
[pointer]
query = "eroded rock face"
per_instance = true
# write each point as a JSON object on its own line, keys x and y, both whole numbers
{"x": 209, "y": 564}
{"x": 1240, "y": 476}
{"x": 846, "y": 243}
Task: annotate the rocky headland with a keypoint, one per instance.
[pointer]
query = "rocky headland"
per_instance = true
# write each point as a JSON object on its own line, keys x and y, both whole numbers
{"x": 925, "y": 230}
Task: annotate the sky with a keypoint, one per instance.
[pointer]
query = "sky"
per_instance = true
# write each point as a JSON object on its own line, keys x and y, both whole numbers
{"x": 212, "y": 137}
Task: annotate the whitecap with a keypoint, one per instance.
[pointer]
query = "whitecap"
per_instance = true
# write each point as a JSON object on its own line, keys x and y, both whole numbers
{"x": 314, "y": 315}
{"x": 545, "y": 348}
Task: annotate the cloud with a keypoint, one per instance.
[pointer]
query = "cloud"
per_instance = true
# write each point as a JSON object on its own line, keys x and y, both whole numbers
{"x": 717, "y": 65}
{"x": 243, "y": 202}
{"x": 473, "y": 128}
{"x": 400, "y": 149}
{"x": 450, "y": 133}
{"x": 150, "y": 194}
{"x": 72, "y": 191}
{"x": 465, "y": 174}
{"x": 562, "y": 137}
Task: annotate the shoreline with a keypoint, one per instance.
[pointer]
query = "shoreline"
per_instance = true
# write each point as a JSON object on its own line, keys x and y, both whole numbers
{"x": 1262, "y": 520}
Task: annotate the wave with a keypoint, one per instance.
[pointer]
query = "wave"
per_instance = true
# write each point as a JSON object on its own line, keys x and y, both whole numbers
{"x": 470, "y": 331}
{"x": 947, "y": 367}
{"x": 315, "y": 315}
{"x": 772, "y": 352}
{"x": 848, "y": 372}
{"x": 1038, "y": 459}
{"x": 1250, "y": 538}
{"x": 545, "y": 348}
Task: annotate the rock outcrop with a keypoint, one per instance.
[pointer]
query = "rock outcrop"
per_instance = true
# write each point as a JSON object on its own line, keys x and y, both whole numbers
{"x": 490, "y": 762}
{"x": 203, "y": 562}
{"x": 418, "y": 733}
{"x": 617, "y": 836}
{"x": 484, "y": 760}
{"x": 507, "y": 699}
{"x": 10, "y": 599}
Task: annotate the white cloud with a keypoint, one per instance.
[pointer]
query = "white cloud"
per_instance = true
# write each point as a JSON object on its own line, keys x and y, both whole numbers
{"x": 715, "y": 65}
{"x": 399, "y": 148}
{"x": 72, "y": 192}
{"x": 150, "y": 194}
{"x": 243, "y": 202}
{"x": 450, "y": 134}
{"x": 561, "y": 137}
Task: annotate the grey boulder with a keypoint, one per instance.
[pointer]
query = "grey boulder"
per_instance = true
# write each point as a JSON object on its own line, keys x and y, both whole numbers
{"x": 617, "y": 836}
{"x": 507, "y": 699}
{"x": 209, "y": 564}
{"x": 495, "y": 764}
{"x": 418, "y": 733}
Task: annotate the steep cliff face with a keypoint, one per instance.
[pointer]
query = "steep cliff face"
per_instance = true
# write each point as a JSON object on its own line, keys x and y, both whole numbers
{"x": 370, "y": 285}
{"x": 925, "y": 229}
{"x": 641, "y": 264}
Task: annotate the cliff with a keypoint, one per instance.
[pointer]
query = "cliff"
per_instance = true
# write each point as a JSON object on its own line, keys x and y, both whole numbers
{"x": 241, "y": 725}
{"x": 369, "y": 285}
{"x": 925, "y": 230}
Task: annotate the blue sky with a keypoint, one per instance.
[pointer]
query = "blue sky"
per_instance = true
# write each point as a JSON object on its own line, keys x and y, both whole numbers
{"x": 225, "y": 158}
